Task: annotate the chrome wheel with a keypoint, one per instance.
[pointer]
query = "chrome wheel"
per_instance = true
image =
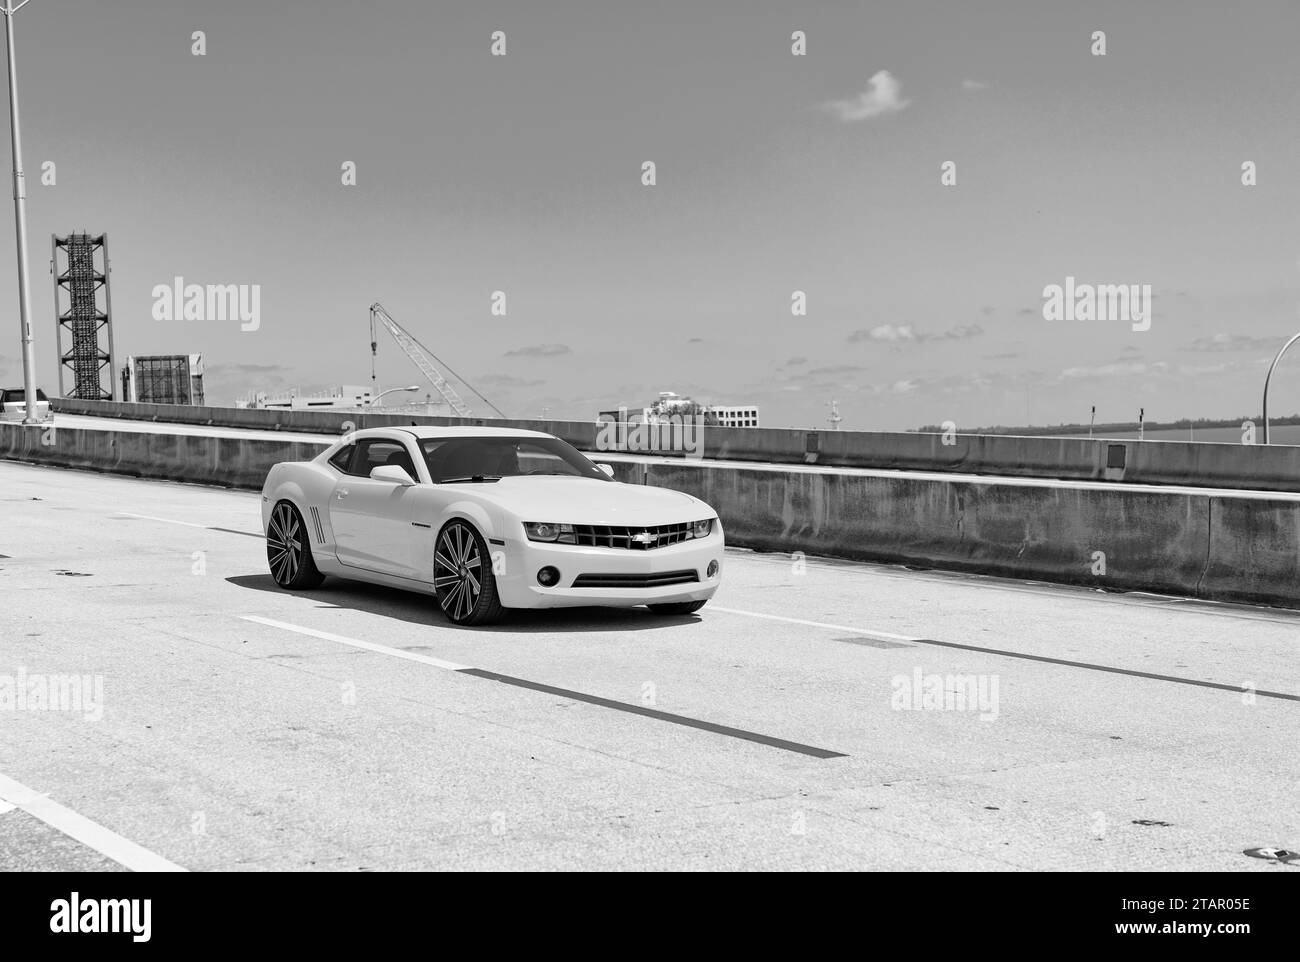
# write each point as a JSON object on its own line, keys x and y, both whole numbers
{"x": 458, "y": 571}
{"x": 284, "y": 544}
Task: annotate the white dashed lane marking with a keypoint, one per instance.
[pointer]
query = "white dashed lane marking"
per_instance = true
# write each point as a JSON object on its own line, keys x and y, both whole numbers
{"x": 579, "y": 696}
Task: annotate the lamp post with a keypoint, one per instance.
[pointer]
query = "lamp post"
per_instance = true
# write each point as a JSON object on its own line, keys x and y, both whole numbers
{"x": 834, "y": 419}
{"x": 375, "y": 400}
{"x": 1269, "y": 377}
{"x": 20, "y": 221}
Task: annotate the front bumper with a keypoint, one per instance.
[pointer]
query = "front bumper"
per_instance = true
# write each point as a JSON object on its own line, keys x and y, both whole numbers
{"x": 516, "y": 564}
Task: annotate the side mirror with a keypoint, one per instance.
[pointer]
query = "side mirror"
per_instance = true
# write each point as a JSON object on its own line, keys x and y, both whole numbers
{"x": 394, "y": 473}
{"x": 607, "y": 468}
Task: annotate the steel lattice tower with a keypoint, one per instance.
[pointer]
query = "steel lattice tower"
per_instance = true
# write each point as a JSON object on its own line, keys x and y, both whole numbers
{"x": 84, "y": 274}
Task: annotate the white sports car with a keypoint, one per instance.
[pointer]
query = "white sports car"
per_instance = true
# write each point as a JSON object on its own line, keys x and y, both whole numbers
{"x": 486, "y": 519}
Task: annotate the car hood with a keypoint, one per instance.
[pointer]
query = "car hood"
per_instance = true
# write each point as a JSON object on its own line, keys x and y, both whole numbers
{"x": 585, "y": 501}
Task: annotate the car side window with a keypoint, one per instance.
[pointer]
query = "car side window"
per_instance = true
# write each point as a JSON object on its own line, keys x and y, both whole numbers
{"x": 376, "y": 452}
{"x": 343, "y": 457}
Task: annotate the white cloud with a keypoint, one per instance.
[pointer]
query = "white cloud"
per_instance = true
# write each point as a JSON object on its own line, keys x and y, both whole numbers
{"x": 880, "y": 97}
{"x": 1117, "y": 369}
{"x": 887, "y": 332}
{"x": 958, "y": 333}
{"x": 1195, "y": 369}
{"x": 973, "y": 85}
{"x": 904, "y": 332}
{"x": 1236, "y": 342}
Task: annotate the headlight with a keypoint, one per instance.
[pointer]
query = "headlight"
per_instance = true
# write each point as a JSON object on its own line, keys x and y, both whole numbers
{"x": 701, "y": 529}
{"x": 548, "y": 531}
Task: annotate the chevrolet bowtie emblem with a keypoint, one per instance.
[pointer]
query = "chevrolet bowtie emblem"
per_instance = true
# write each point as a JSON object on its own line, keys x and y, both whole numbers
{"x": 645, "y": 537}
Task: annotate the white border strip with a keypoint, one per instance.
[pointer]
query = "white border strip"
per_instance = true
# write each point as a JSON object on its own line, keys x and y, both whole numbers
{"x": 91, "y": 834}
{"x": 149, "y": 517}
{"x": 883, "y": 635}
{"x": 353, "y": 642}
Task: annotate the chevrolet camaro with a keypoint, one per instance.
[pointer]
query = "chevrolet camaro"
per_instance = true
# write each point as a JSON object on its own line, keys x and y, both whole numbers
{"x": 486, "y": 519}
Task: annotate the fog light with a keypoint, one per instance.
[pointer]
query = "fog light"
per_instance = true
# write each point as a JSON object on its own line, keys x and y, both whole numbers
{"x": 548, "y": 576}
{"x": 713, "y": 569}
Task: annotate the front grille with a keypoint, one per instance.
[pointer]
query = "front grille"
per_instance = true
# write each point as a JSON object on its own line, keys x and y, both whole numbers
{"x": 636, "y": 580}
{"x": 637, "y": 538}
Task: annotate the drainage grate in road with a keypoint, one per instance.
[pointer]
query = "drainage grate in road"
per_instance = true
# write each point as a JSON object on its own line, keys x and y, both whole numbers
{"x": 1152, "y": 821}
{"x": 1283, "y": 855}
{"x": 74, "y": 574}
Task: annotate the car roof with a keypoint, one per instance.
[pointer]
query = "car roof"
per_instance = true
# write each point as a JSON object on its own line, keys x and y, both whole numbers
{"x": 427, "y": 431}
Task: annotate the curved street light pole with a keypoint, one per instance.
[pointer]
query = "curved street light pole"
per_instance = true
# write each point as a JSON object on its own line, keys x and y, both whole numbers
{"x": 375, "y": 400}
{"x": 20, "y": 222}
{"x": 1269, "y": 377}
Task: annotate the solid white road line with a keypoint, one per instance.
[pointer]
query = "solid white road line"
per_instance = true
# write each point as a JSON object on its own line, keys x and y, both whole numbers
{"x": 149, "y": 517}
{"x": 91, "y": 834}
{"x": 355, "y": 643}
{"x": 884, "y": 635}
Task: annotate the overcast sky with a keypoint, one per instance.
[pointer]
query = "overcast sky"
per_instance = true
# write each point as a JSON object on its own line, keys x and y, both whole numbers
{"x": 775, "y": 173}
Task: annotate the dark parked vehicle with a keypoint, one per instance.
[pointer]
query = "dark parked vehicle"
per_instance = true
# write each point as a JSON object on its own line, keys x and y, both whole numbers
{"x": 13, "y": 405}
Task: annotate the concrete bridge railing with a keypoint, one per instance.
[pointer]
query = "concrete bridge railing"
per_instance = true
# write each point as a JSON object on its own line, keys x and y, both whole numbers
{"x": 1210, "y": 465}
{"x": 1218, "y": 545}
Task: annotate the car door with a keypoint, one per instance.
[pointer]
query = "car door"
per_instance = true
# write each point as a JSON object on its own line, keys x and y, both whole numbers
{"x": 372, "y": 518}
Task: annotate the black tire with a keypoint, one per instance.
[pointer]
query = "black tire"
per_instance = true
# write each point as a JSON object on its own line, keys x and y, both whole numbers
{"x": 463, "y": 581}
{"x": 677, "y": 608}
{"x": 288, "y": 550}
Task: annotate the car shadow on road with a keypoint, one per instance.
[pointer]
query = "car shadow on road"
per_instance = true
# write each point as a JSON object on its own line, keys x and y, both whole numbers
{"x": 417, "y": 609}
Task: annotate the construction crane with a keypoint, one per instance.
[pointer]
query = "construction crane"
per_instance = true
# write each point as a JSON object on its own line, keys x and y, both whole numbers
{"x": 420, "y": 357}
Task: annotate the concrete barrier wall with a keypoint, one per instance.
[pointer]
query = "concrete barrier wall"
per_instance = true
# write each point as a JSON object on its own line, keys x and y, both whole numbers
{"x": 582, "y": 434}
{"x": 202, "y": 459}
{"x": 1254, "y": 551}
{"x": 1150, "y": 541}
{"x": 1198, "y": 544}
{"x": 1254, "y": 467}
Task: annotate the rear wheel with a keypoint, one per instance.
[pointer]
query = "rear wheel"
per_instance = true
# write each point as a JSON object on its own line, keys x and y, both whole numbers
{"x": 462, "y": 576}
{"x": 288, "y": 550}
{"x": 677, "y": 608}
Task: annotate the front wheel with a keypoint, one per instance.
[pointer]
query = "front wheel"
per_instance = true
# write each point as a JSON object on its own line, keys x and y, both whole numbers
{"x": 677, "y": 608}
{"x": 288, "y": 550}
{"x": 462, "y": 576}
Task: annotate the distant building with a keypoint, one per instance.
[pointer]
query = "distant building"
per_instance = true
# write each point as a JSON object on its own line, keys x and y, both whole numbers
{"x": 164, "y": 379}
{"x": 347, "y": 397}
{"x": 735, "y": 416}
{"x": 428, "y": 408}
{"x": 670, "y": 404}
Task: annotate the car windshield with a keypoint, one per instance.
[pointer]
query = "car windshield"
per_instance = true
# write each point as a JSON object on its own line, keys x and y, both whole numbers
{"x": 465, "y": 459}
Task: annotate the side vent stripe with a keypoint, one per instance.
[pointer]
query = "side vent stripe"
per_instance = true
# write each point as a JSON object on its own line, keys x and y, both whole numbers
{"x": 320, "y": 532}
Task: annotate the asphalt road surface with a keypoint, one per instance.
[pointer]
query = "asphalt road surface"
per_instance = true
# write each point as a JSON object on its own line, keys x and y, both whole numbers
{"x": 809, "y": 717}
